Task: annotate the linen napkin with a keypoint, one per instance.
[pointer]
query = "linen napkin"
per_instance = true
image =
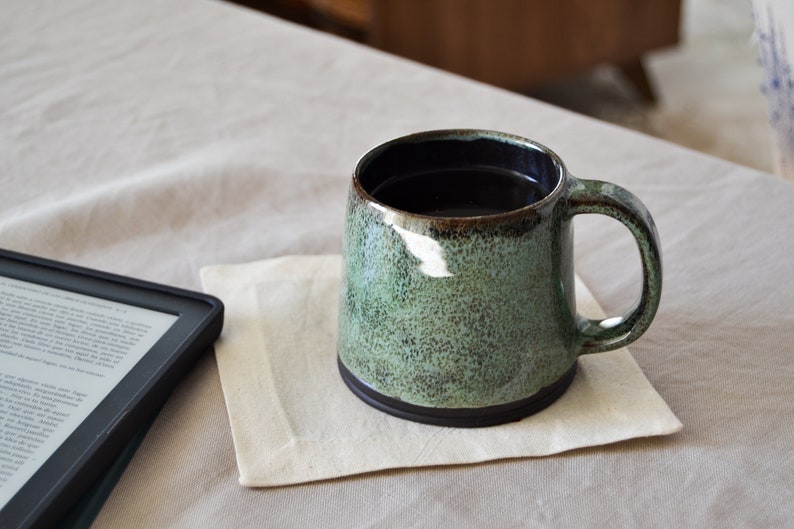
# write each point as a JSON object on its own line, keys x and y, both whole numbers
{"x": 293, "y": 420}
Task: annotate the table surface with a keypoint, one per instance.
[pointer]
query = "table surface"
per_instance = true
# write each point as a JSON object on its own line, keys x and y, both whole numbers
{"x": 153, "y": 138}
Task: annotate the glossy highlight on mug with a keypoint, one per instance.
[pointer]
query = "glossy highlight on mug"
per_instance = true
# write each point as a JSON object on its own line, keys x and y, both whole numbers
{"x": 428, "y": 251}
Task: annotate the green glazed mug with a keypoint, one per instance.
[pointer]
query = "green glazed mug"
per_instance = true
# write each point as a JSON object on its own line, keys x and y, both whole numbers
{"x": 457, "y": 303}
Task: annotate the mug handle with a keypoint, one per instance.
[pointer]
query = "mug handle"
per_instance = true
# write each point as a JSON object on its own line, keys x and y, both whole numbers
{"x": 593, "y": 196}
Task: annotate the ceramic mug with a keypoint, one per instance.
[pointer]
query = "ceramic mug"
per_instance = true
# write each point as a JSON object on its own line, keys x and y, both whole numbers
{"x": 457, "y": 303}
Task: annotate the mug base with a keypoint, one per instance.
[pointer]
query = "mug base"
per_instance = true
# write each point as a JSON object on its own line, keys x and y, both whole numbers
{"x": 459, "y": 417}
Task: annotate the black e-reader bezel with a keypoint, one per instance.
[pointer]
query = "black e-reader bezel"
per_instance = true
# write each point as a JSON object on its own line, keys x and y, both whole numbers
{"x": 60, "y": 482}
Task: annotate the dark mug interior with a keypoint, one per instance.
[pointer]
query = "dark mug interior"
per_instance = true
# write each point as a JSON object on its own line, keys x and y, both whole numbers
{"x": 460, "y": 175}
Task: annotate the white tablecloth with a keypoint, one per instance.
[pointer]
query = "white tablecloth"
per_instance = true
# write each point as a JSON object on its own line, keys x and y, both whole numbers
{"x": 152, "y": 138}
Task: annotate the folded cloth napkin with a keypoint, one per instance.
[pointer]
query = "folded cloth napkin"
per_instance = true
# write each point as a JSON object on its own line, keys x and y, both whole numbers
{"x": 293, "y": 420}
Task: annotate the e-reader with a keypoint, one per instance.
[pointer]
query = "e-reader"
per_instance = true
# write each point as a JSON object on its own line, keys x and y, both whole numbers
{"x": 86, "y": 359}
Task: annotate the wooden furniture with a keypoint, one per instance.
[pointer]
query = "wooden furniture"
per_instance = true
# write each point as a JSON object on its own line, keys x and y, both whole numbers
{"x": 515, "y": 44}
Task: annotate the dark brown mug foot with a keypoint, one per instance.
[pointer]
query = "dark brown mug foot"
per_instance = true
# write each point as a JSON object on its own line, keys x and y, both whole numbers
{"x": 459, "y": 417}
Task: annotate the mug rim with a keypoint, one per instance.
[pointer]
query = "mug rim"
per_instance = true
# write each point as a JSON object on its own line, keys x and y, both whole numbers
{"x": 462, "y": 135}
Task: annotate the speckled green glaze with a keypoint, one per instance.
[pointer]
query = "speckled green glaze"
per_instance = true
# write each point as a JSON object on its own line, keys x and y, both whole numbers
{"x": 478, "y": 311}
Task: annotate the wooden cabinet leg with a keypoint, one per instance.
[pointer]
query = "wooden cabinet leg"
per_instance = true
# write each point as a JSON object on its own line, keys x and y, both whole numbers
{"x": 636, "y": 74}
